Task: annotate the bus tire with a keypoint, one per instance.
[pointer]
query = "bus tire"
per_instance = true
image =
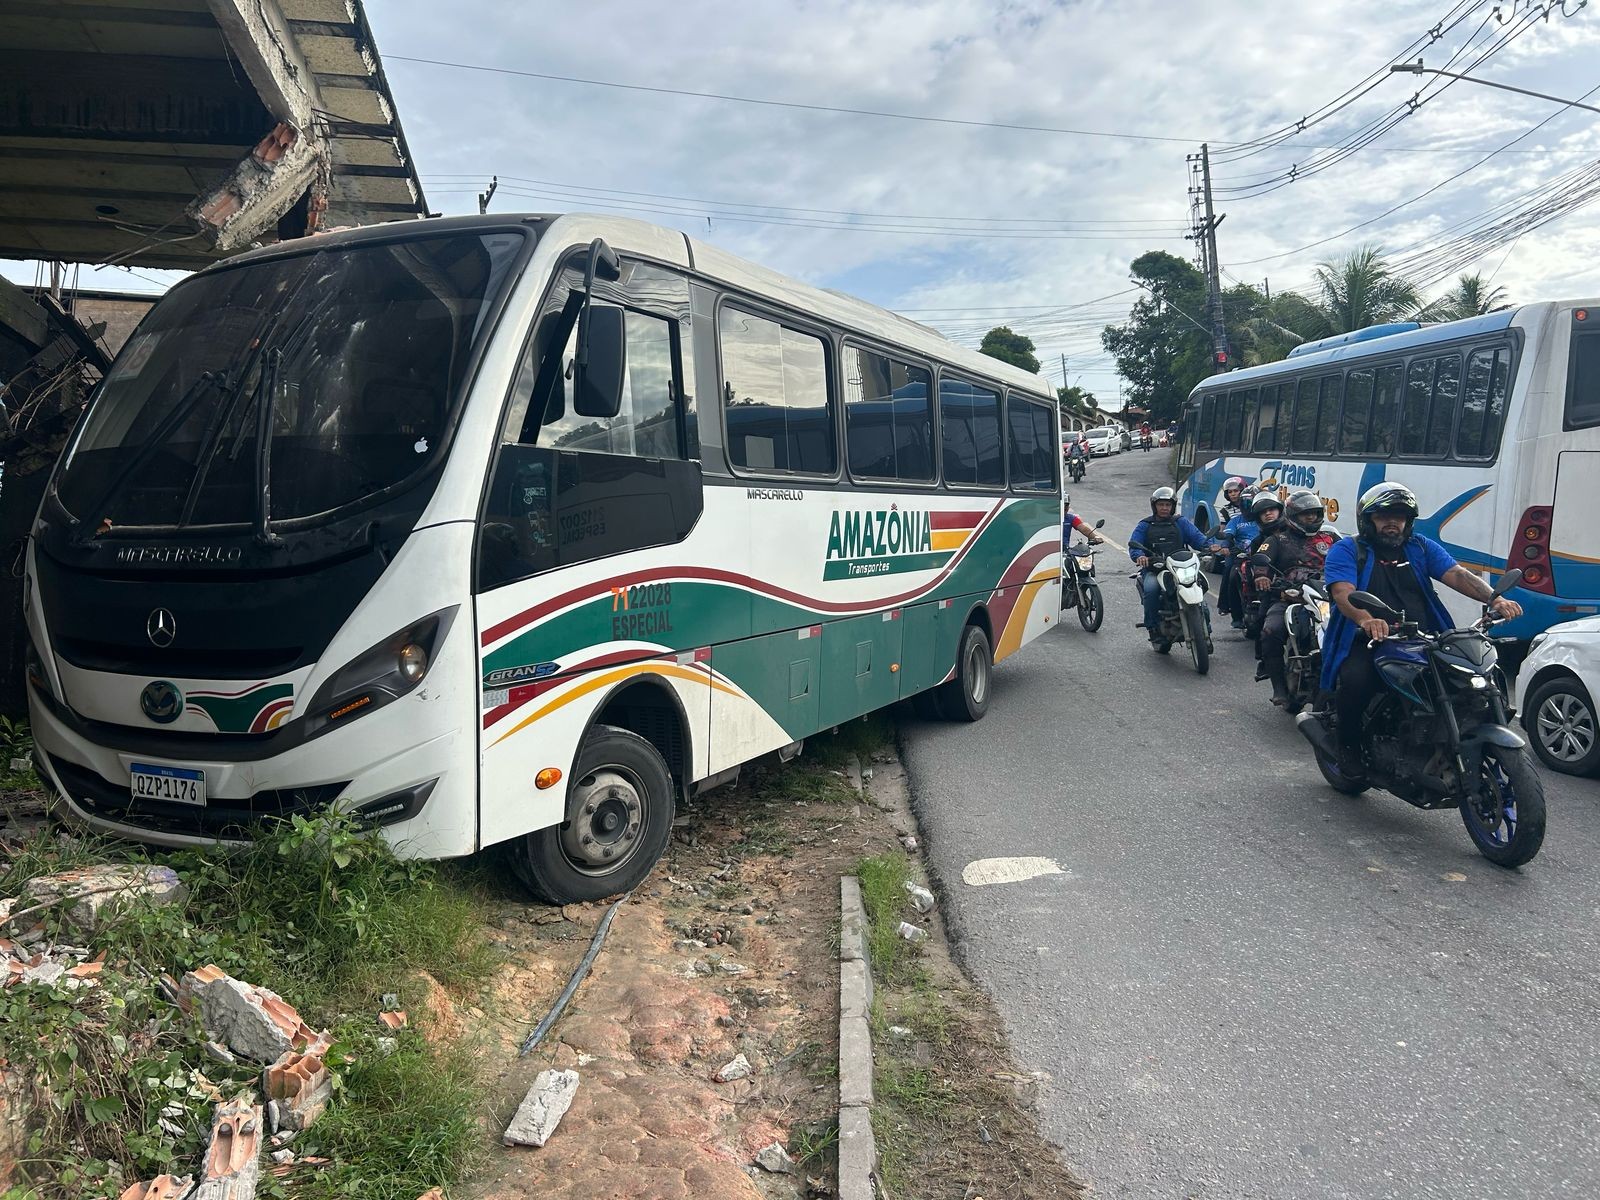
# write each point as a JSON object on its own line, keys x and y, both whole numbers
{"x": 619, "y": 820}
{"x": 966, "y": 697}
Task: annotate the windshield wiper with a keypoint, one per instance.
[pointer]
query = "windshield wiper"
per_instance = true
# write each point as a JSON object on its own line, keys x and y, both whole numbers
{"x": 266, "y": 407}
{"x": 189, "y": 401}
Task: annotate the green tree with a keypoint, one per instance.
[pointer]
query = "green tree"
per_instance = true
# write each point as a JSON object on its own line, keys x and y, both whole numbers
{"x": 1008, "y": 346}
{"x": 1074, "y": 401}
{"x": 1356, "y": 291}
{"x": 1162, "y": 349}
{"x": 1472, "y": 296}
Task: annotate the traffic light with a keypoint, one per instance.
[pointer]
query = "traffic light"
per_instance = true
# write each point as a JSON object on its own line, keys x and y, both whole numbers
{"x": 1222, "y": 358}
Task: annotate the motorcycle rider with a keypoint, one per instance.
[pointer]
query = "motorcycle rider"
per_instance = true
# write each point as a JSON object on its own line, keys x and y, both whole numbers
{"x": 1230, "y": 506}
{"x": 1232, "y": 537}
{"x": 1388, "y": 559}
{"x": 1162, "y": 533}
{"x": 1075, "y": 454}
{"x": 1072, "y": 523}
{"x": 1297, "y": 547}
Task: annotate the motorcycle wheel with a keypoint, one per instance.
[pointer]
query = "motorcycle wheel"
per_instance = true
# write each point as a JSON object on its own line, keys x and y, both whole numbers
{"x": 1194, "y": 632}
{"x": 1511, "y": 832}
{"x": 1091, "y": 608}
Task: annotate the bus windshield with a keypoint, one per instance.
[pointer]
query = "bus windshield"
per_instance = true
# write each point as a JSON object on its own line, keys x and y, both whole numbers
{"x": 288, "y": 387}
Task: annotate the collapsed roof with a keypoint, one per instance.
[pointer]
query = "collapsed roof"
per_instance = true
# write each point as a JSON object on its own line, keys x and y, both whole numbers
{"x": 171, "y": 133}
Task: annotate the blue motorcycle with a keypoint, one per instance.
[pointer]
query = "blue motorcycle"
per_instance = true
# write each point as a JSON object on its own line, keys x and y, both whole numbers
{"x": 1438, "y": 735}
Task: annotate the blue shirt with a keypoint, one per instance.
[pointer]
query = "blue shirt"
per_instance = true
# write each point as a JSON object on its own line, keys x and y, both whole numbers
{"x": 1428, "y": 559}
{"x": 1192, "y": 537}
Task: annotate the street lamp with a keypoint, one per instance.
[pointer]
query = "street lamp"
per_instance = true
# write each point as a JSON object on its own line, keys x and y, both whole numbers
{"x": 1416, "y": 68}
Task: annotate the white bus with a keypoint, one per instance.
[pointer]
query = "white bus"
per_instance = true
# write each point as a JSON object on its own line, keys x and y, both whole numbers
{"x": 1494, "y": 422}
{"x": 516, "y": 530}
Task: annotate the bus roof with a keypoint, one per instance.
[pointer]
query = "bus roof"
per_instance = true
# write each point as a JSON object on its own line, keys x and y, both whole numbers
{"x": 673, "y": 245}
{"x": 1371, "y": 347}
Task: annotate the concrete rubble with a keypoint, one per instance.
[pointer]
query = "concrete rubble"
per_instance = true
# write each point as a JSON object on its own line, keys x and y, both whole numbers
{"x": 29, "y": 959}
{"x": 542, "y": 1108}
{"x": 92, "y": 894}
{"x": 299, "y": 1086}
{"x": 775, "y": 1158}
{"x": 253, "y": 1022}
{"x": 739, "y": 1068}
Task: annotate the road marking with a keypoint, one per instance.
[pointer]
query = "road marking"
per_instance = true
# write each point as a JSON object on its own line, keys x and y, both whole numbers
{"x": 985, "y": 871}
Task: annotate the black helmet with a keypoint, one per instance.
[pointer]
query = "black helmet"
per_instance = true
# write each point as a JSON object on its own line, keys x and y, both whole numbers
{"x": 1263, "y": 504}
{"x": 1375, "y": 499}
{"x": 1300, "y": 504}
{"x": 1163, "y": 493}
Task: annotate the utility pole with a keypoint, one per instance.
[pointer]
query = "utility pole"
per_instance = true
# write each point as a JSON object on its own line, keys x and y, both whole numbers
{"x": 485, "y": 197}
{"x": 1219, "y": 333}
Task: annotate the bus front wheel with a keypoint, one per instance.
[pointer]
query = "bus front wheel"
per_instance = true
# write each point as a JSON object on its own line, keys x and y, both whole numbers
{"x": 619, "y": 818}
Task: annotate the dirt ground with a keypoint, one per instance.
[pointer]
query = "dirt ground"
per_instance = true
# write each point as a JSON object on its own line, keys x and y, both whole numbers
{"x": 729, "y": 948}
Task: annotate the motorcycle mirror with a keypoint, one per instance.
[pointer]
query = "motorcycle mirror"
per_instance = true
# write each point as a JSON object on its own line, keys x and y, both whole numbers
{"x": 1508, "y": 581}
{"x": 1374, "y": 606}
{"x": 1100, "y": 524}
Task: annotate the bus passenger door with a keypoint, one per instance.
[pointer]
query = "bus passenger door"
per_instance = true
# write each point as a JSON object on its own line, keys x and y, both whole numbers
{"x": 1574, "y": 533}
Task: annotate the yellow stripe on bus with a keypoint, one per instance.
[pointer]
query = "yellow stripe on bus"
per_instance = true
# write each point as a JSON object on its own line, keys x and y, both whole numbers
{"x": 950, "y": 539}
{"x": 1011, "y": 635}
{"x": 606, "y": 678}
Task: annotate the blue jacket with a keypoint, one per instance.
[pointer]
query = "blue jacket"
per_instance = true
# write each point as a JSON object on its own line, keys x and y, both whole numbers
{"x": 1427, "y": 558}
{"x": 1192, "y": 537}
{"x": 1239, "y": 532}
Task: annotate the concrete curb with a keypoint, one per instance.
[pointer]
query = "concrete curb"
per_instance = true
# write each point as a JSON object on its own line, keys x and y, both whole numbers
{"x": 858, "y": 1150}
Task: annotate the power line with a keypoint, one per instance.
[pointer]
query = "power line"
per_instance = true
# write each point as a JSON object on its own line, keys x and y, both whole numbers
{"x": 580, "y": 189}
{"x": 1126, "y": 135}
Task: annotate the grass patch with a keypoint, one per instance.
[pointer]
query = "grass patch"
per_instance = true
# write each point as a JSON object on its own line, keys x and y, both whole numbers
{"x": 816, "y": 1146}
{"x": 883, "y": 893}
{"x": 317, "y": 910}
{"x": 859, "y": 739}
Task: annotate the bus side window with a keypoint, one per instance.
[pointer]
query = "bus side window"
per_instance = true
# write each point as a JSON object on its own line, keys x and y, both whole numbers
{"x": 969, "y": 433}
{"x": 1484, "y": 404}
{"x": 1583, "y": 379}
{"x": 1446, "y": 401}
{"x": 1328, "y": 415}
{"x": 1031, "y": 444}
{"x": 1208, "y": 422}
{"x": 780, "y": 417}
{"x": 1285, "y": 418}
{"x": 1414, "y": 414}
{"x": 1385, "y": 411}
{"x": 1305, "y": 417}
{"x": 1266, "y": 416}
{"x": 888, "y": 417}
{"x": 1357, "y": 406}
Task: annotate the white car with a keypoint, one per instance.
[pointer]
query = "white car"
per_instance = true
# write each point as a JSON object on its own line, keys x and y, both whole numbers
{"x": 1104, "y": 441}
{"x": 1555, "y": 695}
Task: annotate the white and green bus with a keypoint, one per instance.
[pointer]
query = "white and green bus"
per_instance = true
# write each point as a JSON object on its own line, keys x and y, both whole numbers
{"x": 518, "y": 530}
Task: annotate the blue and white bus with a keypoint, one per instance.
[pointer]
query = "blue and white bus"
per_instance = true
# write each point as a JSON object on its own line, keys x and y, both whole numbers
{"x": 1494, "y": 422}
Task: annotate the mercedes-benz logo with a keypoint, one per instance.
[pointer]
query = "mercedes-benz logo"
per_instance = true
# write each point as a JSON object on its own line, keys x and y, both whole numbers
{"x": 162, "y": 701}
{"x": 161, "y": 628}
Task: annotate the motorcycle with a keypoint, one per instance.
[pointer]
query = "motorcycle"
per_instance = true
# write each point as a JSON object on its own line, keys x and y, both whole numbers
{"x": 1144, "y": 442}
{"x": 1078, "y": 588}
{"x": 1076, "y": 467}
{"x": 1183, "y": 611}
{"x": 1306, "y": 616}
{"x": 1437, "y": 735}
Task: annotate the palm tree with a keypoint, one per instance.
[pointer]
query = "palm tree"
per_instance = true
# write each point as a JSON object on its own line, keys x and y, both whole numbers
{"x": 1360, "y": 290}
{"x": 1472, "y": 296}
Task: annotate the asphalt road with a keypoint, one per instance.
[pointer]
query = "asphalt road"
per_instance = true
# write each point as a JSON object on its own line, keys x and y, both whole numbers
{"x": 1244, "y": 984}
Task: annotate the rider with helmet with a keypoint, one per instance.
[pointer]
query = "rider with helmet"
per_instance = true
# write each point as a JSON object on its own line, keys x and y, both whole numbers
{"x": 1230, "y": 506}
{"x": 1162, "y": 533}
{"x": 1390, "y": 560}
{"x": 1232, "y": 538}
{"x": 1297, "y": 547}
{"x": 1255, "y": 523}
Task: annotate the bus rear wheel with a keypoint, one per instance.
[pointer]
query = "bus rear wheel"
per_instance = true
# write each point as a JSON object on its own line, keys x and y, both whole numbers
{"x": 966, "y": 697}
{"x": 619, "y": 818}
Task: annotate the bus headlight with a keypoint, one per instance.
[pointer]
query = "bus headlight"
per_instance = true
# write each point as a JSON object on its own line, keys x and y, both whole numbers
{"x": 382, "y": 674}
{"x": 413, "y": 663}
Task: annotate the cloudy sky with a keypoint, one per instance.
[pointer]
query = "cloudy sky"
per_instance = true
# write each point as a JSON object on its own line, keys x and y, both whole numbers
{"x": 963, "y": 223}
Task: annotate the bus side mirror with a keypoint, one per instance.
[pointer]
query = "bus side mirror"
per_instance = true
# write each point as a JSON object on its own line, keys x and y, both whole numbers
{"x": 597, "y": 385}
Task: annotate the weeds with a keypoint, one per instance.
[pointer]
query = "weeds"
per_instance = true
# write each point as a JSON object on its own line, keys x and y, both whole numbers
{"x": 316, "y": 910}
{"x": 815, "y": 1146}
{"x": 883, "y": 892}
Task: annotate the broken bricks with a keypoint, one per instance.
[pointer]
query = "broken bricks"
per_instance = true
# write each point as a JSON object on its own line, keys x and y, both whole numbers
{"x": 232, "y": 1165}
{"x": 299, "y": 1086}
{"x": 162, "y": 1187}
